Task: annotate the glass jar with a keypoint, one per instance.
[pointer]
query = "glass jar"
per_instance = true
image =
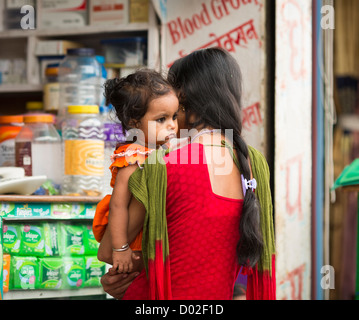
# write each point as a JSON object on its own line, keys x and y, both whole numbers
{"x": 38, "y": 150}
{"x": 10, "y": 126}
{"x": 83, "y": 149}
{"x": 51, "y": 95}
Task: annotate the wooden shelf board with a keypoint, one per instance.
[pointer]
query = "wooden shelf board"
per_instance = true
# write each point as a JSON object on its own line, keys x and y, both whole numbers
{"x": 14, "y": 88}
{"x": 73, "y": 31}
{"x": 49, "y": 199}
{"x": 48, "y": 294}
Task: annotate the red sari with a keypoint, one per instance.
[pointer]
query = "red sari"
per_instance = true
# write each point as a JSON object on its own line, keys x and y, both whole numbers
{"x": 203, "y": 232}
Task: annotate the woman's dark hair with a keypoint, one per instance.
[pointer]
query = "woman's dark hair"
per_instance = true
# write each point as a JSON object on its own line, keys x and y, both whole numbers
{"x": 209, "y": 85}
{"x": 131, "y": 95}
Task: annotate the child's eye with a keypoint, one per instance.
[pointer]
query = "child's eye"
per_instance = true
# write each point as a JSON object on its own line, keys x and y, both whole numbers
{"x": 175, "y": 116}
{"x": 161, "y": 120}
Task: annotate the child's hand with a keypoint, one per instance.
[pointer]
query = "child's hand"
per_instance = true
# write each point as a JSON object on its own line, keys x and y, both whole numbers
{"x": 122, "y": 261}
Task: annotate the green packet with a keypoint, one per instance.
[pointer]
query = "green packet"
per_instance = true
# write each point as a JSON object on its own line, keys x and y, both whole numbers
{"x": 91, "y": 245}
{"x": 74, "y": 273}
{"x": 94, "y": 270}
{"x": 51, "y": 273}
{"x": 24, "y": 273}
{"x": 32, "y": 240}
{"x": 11, "y": 238}
{"x": 72, "y": 239}
{"x": 51, "y": 231}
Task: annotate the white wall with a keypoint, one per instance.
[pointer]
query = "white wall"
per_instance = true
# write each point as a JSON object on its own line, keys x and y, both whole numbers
{"x": 238, "y": 26}
{"x": 293, "y": 143}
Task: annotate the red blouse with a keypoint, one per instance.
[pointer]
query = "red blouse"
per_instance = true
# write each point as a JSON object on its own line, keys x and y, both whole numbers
{"x": 203, "y": 232}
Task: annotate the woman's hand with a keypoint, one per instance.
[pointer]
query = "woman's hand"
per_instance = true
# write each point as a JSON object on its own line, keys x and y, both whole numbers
{"x": 116, "y": 284}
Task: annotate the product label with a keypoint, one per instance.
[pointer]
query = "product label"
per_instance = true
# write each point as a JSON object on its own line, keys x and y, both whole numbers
{"x": 74, "y": 240}
{"x": 51, "y": 239}
{"x": 27, "y": 277}
{"x": 11, "y": 239}
{"x": 33, "y": 241}
{"x": 91, "y": 245}
{"x": 113, "y": 133}
{"x": 23, "y": 156}
{"x": 95, "y": 269}
{"x": 83, "y": 93}
{"x": 51, "y": 96}
{"x": 84, "y": 157}
{"x": 65, "y": 5}
{"x": 7, "y": 145}
{"x": 51, "y": 273}
{"x": 24, "y": 272}
{"x": 74, "y": 273}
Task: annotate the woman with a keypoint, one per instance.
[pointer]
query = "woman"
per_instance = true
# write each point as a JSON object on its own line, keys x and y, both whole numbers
{"x": 203, "y": 220}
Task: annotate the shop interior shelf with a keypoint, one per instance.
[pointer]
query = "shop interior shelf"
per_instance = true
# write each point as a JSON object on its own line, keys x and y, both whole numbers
{"x": 13, "y": 88}
{"x": 73, "y": 31}
{"x": 48, "y": 199}
{"x": 48, "y": 294}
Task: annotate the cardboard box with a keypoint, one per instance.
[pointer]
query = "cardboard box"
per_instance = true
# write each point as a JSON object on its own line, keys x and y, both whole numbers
{"x": 138, "y": 11}
{"x": 16, "y": 4}
{"x": 113, "y": 12}
{"x": 55, "y": 47}
{"x": 63, "y": 5}
{"x": 63, "y": 13}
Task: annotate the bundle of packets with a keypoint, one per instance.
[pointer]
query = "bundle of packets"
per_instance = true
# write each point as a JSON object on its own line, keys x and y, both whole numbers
{"x": 52, "y": 255}
{"x": 54, "y": 273}
{"x": 48, "y": 239}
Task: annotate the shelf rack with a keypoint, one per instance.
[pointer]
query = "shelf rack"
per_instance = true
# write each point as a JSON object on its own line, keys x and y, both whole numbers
{"x": 18, "y": 208}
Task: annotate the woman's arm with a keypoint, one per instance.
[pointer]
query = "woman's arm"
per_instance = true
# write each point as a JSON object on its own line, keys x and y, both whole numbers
{"x": 116, "y": 284}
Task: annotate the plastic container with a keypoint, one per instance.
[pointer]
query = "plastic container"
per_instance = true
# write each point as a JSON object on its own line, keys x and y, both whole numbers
{"x": 129, "y": 52}
{"x": 102, "y": 99}
{"x": 10, "y": 126}
{"x": 38, "y": 150}
{"x": 34, "y": 107}
{"x": 83, "y": 149}
{"x": 52, "y": 89}
{"x": 79, "y": 79}
{"x": 113, "y": 135}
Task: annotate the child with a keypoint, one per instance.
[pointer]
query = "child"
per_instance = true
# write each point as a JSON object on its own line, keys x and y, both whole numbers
{"x": 147, "y": 107}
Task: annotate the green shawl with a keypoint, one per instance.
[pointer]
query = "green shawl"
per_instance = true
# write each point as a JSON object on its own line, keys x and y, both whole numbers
{"x": 149, "y": 186}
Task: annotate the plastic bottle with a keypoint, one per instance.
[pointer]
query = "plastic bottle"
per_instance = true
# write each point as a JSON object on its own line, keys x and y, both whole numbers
{"x": 79, "y": 80}
{"x": 34, "y": 107}
{"x": 10, "y": 126}
{"x": 38, "y": 150}
{"x": 112, "y": 136}
{"x": 83, "y": 149}
{"x": 52, "y": 89}
{"x": 101, "y": 99}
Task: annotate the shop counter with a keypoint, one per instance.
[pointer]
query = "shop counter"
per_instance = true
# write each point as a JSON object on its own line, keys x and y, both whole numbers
{"x": 55, "y": 254}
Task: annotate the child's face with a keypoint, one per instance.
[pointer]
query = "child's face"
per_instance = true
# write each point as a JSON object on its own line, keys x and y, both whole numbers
{"x": 160, "y": 121}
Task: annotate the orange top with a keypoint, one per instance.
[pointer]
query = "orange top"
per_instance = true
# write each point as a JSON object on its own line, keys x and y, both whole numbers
{"x": 11, "y": 119}
{"x": 44, "y": 118}
{"x": 126, "y": 155}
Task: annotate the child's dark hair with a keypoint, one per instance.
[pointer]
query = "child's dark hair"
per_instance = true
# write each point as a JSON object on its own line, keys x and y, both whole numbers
{"x": 209, "y": 84}
{"x": 131, "y": 95}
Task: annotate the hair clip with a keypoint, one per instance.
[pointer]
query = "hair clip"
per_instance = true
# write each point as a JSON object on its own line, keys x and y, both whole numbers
{"x": 251, "y": 184}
